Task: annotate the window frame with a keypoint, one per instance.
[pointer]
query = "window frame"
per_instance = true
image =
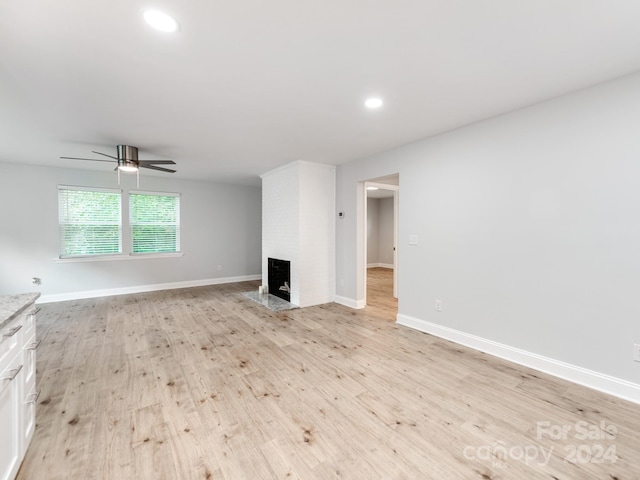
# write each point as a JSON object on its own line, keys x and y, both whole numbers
{"x": 130, "y": 224}
{"x": 126, "y": 241}
{"x": 62, "y": 244}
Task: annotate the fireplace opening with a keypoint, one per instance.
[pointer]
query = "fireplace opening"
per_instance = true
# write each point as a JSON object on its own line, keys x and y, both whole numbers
{"x": 279, "y": 278}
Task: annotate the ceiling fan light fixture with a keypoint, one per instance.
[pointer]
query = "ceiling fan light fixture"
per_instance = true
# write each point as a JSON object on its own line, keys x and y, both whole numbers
{"x": 160, "y": 21}
{"x": 127, "y": 166}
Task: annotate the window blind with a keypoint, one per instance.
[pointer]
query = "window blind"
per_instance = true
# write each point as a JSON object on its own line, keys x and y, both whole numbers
{"x": 154, "y": 220}
{"x": 90, "y": 221}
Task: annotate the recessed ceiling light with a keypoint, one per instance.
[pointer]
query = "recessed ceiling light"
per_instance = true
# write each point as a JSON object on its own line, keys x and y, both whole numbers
{"x": 160, "y": 21}
{"x": 373, "y": 103}
{"x": 372, "y": 188}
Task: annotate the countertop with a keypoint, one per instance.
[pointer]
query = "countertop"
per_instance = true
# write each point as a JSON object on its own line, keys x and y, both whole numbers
{"x": 13, "y": 305}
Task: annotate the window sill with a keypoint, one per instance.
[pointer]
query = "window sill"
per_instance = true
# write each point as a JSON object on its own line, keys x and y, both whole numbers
{"x": 110, "y": 258}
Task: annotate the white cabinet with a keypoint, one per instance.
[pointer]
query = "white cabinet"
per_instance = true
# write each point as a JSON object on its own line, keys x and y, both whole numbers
{"x": 17, "y": 383}
{"x": 29, "y": 394}
{"x": 12, "y": 375}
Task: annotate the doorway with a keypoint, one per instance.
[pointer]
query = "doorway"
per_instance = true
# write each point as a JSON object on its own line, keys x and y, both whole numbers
{"x": 380, "y": 253}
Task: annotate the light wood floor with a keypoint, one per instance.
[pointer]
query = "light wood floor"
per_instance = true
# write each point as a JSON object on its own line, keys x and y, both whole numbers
{"x": 380, "y": 300}
{"x": 203, "y": 383}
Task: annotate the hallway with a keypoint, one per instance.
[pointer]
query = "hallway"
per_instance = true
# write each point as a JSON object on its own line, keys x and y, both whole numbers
{"x": 380, "y": 301}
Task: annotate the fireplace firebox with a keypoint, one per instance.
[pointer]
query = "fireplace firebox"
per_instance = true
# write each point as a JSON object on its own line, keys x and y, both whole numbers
{"x": 279, "y": 278}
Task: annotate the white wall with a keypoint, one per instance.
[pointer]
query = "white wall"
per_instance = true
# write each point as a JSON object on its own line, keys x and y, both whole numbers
{"x": 380, "y": 232}
{"x": 317, "y": 233}
{"x": 385, "y": 231}
{"x": 298, "y": 218}
{"x": 528, "y": 228}
{"x": 220, "y": 225}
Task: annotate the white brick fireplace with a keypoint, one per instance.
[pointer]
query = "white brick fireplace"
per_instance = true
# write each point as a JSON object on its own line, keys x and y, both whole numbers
{"x": 298, "y": 225}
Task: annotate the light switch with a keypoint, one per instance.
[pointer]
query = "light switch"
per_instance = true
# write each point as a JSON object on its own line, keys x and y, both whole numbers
{"x": 413, "y": 239}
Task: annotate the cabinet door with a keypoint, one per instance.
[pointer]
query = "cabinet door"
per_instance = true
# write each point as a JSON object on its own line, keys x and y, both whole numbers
{"x": 10, "y": 418}
{"x": 30, "y": 322}
{"x": 30, "y": 347}
{"x": 29, "y": 417}
{"x": 30, "y": 395}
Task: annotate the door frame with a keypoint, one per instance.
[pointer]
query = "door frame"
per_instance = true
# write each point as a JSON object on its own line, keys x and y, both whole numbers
{"x": 363, "y": 226}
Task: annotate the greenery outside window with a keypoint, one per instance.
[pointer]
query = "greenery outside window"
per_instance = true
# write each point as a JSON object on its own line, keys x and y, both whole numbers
{"x": 154, "y": 220}
{"x": 90, "y": 221}
{"x": 93, "y": 223}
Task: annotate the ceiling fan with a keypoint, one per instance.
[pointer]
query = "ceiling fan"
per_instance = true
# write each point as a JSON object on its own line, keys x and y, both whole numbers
{"x": 128, "y": 161}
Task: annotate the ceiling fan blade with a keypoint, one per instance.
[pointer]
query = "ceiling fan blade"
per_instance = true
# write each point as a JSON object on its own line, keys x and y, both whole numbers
{"x": 99, "y": 153}
{"x": 160, "y": 169}
{"x": 158, "y": 162}
{"x": 90, "y": 159}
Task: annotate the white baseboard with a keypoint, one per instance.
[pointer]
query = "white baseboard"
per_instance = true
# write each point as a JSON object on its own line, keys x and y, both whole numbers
{"x": 573, "y": 373}
{"x": 61, "y": 297}
{"x": 380, "y": 265}
{"x": 349, "y": 302}
{"x": 310, "y": 302}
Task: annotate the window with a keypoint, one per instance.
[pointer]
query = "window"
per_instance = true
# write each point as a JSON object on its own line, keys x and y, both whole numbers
{"x": 154, "y": 220}
{"x": 90, "y": 221}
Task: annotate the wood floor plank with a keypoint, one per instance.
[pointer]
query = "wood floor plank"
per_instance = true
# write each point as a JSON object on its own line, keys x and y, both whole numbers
{"x": 203, "y": 383}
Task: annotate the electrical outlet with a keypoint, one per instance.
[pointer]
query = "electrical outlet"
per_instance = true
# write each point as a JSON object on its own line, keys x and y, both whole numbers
{"x": 636, "y": 352}
{"x": 219, "y": 267}
{"x": 438, "y": 305}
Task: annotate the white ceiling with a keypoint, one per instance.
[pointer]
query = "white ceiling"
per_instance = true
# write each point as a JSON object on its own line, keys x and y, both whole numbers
{"x": 247, "y": 86}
